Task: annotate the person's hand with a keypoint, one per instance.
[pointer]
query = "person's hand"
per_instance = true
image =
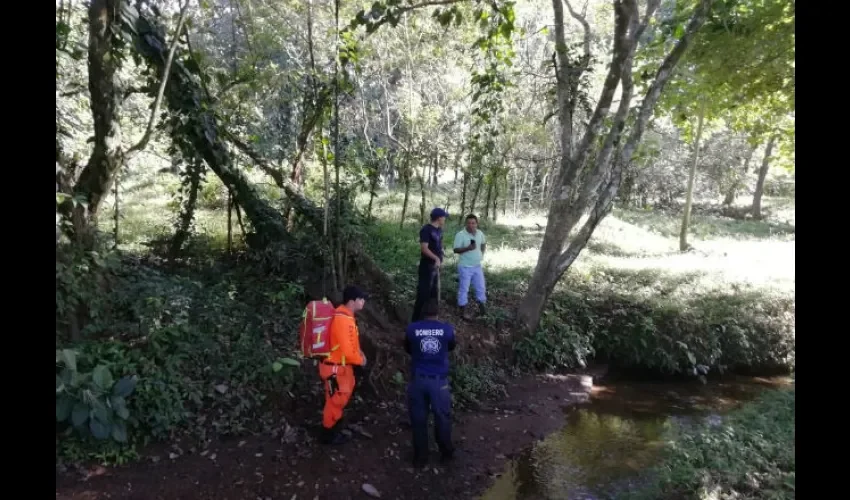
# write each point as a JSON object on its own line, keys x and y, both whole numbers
{"x": 471, "y": 245}
{"x": 437, "y": 264}
{"x": 364, "y": 359}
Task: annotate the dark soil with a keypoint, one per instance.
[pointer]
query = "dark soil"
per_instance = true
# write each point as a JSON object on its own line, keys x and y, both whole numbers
{"x": 290, "y": 464}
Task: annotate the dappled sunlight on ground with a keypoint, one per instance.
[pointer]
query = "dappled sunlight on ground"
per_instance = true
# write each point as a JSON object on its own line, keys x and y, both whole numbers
{"x": 621, "y": 246}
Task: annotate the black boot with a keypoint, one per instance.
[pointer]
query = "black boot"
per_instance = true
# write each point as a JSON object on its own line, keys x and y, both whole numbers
{"x": 334, "y": 435}
{"x": 420, "y": 460}
{"x": 482, "y": 309}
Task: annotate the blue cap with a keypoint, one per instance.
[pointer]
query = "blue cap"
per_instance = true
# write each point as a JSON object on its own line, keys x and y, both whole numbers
{"x": 353, "y": 292}
{"x": 438, "y": 212}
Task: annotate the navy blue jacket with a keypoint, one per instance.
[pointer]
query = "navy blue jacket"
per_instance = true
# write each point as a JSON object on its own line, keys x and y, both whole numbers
{"x": 428, "y": 342}
{"x": 433, "y": 236}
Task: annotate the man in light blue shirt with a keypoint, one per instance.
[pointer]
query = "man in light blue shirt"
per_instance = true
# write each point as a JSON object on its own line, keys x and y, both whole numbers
{"x": 470, "y": 245}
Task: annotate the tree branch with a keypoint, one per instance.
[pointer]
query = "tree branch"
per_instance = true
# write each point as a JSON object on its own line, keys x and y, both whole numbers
{"x": 622, "y": 47}
{"x": 662, "y": 76}
{"x": 143, "y": 142}
{"x": 272, "y": 172}
{"x": 585, "y": 25}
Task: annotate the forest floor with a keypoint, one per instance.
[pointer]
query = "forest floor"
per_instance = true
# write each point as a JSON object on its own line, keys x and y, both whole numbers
{"x": 291, "y": 464}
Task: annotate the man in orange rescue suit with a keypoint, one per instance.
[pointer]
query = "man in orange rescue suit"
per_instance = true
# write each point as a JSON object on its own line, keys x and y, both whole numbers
{"x": 337, "y": 371}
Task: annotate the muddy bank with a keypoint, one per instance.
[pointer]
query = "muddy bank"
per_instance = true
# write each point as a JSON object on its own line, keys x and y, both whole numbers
{"x": 292, "y": 465}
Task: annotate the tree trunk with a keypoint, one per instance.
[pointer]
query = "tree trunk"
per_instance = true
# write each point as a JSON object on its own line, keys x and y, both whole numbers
{"x": 489, "y": 199}
{"x": 373, "y": 192}
{"x": 535, "y": 299}
{"x": 229, "y": 223}
{"x": 765, "y": 166}
{"x": 463, "y": 188}
{"x": 184, "y": 96}
{"x": 436, "y": 170}
{"x": 495, "y": 200}
{"x": 475, "y": 193}
{"x": 116, "y": 221}
{"x": 543, "y": 189}
{"x": 405, "y": 174}
{"x": 600, "y": 186}
{"x": 98, "y": 175}
{"x": 689, "y": 194}
{"x": 422, "y": 195}
{"x": 188, "y": 215}
{"x": 732, "y": 193}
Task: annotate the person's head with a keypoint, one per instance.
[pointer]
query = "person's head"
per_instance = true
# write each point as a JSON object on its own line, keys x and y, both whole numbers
{"x": 354, "y": 298}
{"x": 431, "y": 309}
{"x": 438, "y": 217}
{"x": 471, "y": 223}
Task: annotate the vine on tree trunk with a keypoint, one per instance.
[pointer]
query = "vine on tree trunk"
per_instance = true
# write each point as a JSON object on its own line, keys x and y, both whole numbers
{"x": 192, "y": 178}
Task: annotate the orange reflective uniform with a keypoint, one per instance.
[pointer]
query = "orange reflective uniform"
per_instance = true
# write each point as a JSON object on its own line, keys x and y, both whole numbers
{"x": 345, "y": 351}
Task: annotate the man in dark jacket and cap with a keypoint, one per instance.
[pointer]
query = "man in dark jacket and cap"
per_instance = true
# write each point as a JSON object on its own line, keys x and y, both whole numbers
{"x": 431, "y": 258}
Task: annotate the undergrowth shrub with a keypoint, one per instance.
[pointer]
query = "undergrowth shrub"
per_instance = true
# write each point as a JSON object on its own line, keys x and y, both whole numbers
{"x": 556, "y": 345}
{"x": 80, "y": 278}
{"x": 474, "y": 382}
{"x": 750, "y": 456}
{"x": 205, "y": 349}
{"x": 709, "y": 332}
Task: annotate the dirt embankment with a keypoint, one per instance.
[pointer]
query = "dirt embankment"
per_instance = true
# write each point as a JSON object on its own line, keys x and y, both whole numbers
{"x": 290, "y": 464}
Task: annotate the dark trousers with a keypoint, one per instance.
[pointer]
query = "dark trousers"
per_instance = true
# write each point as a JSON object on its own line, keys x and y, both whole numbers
{"x": 427, "y": 394}
{"x": 426, "y": 289}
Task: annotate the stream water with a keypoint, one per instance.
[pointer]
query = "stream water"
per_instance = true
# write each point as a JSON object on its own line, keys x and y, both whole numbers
{"x": 607, "y": 443}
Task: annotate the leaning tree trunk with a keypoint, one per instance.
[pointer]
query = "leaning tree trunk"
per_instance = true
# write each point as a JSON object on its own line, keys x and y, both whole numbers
{"x": 185, "y": 96}
{"x": 732, "y": 193}
{"x": 575, "y": 192}
{"x": 689, "y": 195}
{"x": 765, "y": 166}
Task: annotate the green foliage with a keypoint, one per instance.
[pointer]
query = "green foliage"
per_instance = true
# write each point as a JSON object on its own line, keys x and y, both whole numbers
{"x": 78, "y": 297}
{"x": 92, "y": 402}
{"x": 202, "y": 347}
{"x": 76, "y": 449}
{"x": 739, "y": 69}
{"x": 554, "y": 346}
{"x": 474, "y": 382}
{"x": 751, "y": 455}
{"x": 710, "y": 331}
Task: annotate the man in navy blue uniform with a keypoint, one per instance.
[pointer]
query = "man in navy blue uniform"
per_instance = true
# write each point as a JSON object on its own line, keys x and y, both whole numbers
{"x": 430, "y": 260}
{"x": 428, "y": 342}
